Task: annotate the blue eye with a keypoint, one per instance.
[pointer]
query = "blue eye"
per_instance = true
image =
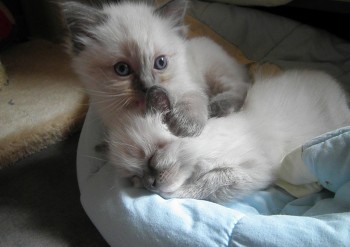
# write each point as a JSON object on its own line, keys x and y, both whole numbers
{"x": 160, "y": 63}
{"x": 122, "y": 69}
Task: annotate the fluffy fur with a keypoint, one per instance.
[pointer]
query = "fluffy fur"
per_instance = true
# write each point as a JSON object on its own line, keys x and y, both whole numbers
{"x": 129, "y": 38}
{"x": 236, "y": 154}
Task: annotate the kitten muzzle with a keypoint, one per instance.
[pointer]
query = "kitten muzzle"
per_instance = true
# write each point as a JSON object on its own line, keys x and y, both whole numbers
{"x": 139, "y": 86}
{"x": 150, "y": 182}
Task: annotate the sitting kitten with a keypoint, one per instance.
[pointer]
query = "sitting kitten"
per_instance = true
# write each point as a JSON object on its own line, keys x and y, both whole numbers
{"x": 236, "y": 154}
{"x": 121, "y": 50}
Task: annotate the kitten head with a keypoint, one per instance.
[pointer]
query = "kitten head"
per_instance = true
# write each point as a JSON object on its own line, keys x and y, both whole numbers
{"x": 121, "y": 50}
{"x": 132, "y": 144}
{"x": 143, "y": 147}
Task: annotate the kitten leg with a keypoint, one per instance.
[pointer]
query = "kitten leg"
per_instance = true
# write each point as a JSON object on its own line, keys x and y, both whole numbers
{"x": 227, "y": 80}
{"x": 189, "y": 115}
{"x": 157, "y": 100}
{"x": 227, "y": 102}
{"x": 218, "y": 185}
{"x": 210, "y": 166}
{"x": 228, "y": 92}
{"x": 232, "y": 99}
{"x": 185, "y": 117}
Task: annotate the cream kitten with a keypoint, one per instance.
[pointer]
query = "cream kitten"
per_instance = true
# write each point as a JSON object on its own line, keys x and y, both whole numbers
{"x": 121, "y": 50}
{"x": 236, "y": 154}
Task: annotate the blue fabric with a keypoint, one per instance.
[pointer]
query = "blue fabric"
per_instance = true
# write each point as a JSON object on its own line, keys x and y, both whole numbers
{"x": 127, "y": 216}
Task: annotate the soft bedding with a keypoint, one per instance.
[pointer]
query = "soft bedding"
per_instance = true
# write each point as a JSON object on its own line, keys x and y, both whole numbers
{"x": 310, "y": 211}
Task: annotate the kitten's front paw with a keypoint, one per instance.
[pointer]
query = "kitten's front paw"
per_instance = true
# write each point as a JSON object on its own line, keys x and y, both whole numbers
{"x": 157, "y": 100}
{"x": 185, "y": 122}
{"x": 186, "y": 117}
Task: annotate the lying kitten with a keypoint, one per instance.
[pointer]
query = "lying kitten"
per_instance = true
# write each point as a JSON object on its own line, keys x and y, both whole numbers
{"x": 121, "y": 50}
{"x": 236, "y": 154}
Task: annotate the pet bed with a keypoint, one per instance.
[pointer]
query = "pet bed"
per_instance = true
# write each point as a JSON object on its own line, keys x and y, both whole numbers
{"x": 127, "y": 216}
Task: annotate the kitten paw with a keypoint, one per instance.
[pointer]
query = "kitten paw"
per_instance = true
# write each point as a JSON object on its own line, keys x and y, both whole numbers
{"x": 185, "y": 122}
{"x": 157, "y": 100}
{"x": 186, "y": 118}
{"x": 224, "y": 104}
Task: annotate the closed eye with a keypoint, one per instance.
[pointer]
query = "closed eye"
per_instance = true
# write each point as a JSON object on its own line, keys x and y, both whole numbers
{"x": 150, "y": 164}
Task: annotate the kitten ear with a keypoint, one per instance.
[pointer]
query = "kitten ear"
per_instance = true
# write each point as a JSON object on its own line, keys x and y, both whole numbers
{"x": 80, "y": 19}
{"x": 175, "y": 10}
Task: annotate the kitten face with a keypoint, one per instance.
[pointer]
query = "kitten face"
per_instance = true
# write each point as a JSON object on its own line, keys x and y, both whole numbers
{"x": 132, "y": 145}
{"x": 143, "y": 147}
{"x": 122, "y": 50}
{"x": 166, "y": 173}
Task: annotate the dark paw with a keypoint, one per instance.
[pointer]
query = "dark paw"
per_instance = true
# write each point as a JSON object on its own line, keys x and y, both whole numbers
{"x": 222, "y": 105}
{"x": 183, "y": 122}
{"x": 186, "y": 118}
{"x": 219, "y": 108}
{"x": 157, "y": 100}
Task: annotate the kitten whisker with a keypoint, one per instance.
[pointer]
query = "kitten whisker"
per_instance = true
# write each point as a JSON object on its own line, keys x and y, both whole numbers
{"x": 96, "y": 158}
{"x": 112, "y": 107}
{"x": 116, "y": 93}
{"x": 122, "y": 143}
{"x": 104, "y": 74}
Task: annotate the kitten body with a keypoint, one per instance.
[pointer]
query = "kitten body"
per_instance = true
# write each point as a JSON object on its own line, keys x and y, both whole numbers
{"x": 121, "y": 50}
{"x": 239, "y": 153}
